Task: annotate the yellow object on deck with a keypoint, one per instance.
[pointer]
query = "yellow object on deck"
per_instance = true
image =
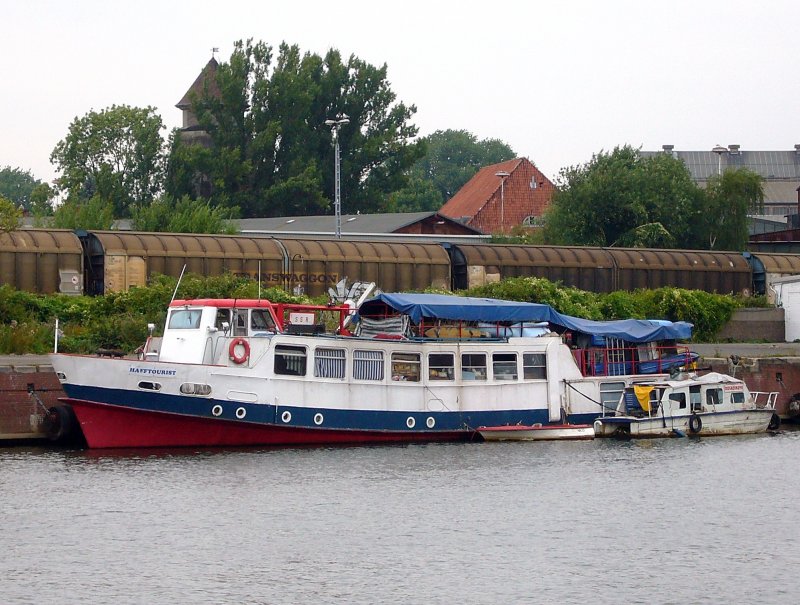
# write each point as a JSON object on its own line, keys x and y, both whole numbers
{"x": 643, "y": 396}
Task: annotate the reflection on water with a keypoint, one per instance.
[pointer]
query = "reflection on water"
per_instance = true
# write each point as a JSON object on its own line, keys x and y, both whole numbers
{"x": 661, "y": 521}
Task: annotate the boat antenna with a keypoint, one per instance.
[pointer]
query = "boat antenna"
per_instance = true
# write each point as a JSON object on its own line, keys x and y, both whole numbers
{"x": 178, "y": 284}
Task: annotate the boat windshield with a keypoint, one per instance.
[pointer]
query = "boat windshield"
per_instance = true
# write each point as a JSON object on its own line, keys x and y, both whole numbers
{"x": 185, "y": 319}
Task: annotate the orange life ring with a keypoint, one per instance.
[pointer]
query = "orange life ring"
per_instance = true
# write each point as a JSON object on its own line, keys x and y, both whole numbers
{"x": 232, "y": 350}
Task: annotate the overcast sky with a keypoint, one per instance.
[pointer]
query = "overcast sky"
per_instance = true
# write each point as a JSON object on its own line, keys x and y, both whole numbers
{"x": 558, "y": 81}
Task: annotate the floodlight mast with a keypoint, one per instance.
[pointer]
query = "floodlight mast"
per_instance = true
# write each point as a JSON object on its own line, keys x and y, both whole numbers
{"x": 335, "y": 125}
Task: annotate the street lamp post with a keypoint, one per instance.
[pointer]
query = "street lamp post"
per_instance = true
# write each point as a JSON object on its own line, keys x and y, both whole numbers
{"x": 503, "y": 176}
{"x": 335, "y": 125}
{"x": 719, "y": 150}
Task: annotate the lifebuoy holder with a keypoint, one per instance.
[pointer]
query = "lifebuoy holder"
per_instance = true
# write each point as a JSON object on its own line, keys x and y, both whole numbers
{"x": 234, "y": 356}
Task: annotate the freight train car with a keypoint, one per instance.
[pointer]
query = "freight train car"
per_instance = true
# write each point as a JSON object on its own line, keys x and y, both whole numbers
{"x": 117, "y": 260}
{"x": 43, "y": 261}
{"x": 602, "y": 269}
{"x": 767, "y": 267}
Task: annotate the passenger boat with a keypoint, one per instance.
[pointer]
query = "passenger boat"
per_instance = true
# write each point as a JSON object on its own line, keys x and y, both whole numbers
{"x": 537, "y": 432}
{"x": 416, "y": 367}
{"x": 713, "y": 404}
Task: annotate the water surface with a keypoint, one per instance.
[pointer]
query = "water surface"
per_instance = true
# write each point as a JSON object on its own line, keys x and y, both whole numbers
{"x": 665, "y": 521}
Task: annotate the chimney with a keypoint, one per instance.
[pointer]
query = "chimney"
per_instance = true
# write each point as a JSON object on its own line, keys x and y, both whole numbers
{"x": 797, "y": 149}
{"x": 734, "y": 149}
{"x": 669, "y": 148}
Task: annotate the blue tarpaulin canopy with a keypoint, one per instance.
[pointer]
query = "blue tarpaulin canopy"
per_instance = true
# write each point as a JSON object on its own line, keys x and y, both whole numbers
{"x": 458, "y": 308}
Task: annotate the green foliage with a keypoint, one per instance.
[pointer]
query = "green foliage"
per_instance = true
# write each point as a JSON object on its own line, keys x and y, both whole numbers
{"x": 184, "y": 216}
{"x": 42, "y": 200}
{"x": 621, "y": 198}
{"x": 452, "y": 158}
{"x": 271, "y": 151}
{"x": 116, "y": 154}
{"x": 729, "y": 199}
{"x": 75, "y": 213}
{"x": 17, "y": 185}
{"x": 10, "y": 215}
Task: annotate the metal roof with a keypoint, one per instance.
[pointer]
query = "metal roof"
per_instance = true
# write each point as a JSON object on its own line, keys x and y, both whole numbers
{"x": 351, "y": 223}
{"x": 769, "y": 164}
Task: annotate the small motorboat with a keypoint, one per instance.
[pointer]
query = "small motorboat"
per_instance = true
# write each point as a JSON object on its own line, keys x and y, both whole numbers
{"x": 714, "y": 404}
{"x": 537, "y": 432}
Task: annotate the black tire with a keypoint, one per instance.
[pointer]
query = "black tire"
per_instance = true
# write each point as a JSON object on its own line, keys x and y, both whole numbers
{"x": 774, "y": 423}
{"x": 695, "y": 424}
{"x": 60, "y": 424}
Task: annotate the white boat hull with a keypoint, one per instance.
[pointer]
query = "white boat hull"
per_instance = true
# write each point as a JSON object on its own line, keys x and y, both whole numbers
{"x": 701, "y": 424}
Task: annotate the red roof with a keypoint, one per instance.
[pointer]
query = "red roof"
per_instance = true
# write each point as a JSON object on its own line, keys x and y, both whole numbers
{"x": 469, "y": 200}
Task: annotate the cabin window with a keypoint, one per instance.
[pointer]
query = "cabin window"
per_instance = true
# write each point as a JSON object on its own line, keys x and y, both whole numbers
{"x": 185, "y": 319}
{"x": 149, "y": 386}
{"x": 193, "y": 388}
{"x": 329, "y": 363}
{"x": 504, "y": 366}
{"x": 473, "y": 366}
{"x": 694, "y": 399}
{"x": 441, "y": 366}
{"x": 223, "y": 316}
{"x": 405, "y": 366}
{"x": 737, "y": 397}
{"x": 240, "y": 322}
{"x": 368, "y": 365}
{"x": 679, "y": 399}
{"x": 261, "y": 321}
{"x": 714, "y": 397}
{"x": 290, "y": 361}
{"x": 534, "y": 366}
{"x": 610, "y": 393}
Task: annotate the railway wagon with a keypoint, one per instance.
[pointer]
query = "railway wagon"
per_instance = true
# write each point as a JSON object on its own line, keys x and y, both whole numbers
{"x": 602, "y": 269}
{"x": 42, "y": 261}
{"x": 480, "y": 264}
{"x": 117, "y": 260}
{"x": 720, "y": 272}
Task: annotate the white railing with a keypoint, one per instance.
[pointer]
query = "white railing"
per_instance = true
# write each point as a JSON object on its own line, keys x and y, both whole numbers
{"x": 764, "y": 399}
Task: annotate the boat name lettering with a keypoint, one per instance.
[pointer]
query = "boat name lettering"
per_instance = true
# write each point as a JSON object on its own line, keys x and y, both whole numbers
{"x": 733, "y": 387}
{"x": 152, "y": 371}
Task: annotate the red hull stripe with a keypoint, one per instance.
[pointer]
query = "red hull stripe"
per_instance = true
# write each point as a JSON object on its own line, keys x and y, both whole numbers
{"x": 111, "y": 426}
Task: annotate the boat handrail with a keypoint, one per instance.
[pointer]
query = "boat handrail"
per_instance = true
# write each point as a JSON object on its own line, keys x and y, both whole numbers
{"x": 764, "y": 399}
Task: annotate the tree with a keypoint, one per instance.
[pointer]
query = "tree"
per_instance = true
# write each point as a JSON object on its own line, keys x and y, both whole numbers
{"x": 16, "y": 185}
{"x": 728, "y": 201}
{"x": 452, "y": 158}
{"x": 96, "y": 213}
{"x": 271, "y": 152}
{"x": 10, "y": 215}
{"x": 184, "y": 216}
{"x": 624, "y": 199}
{"x": 117, "y": 154}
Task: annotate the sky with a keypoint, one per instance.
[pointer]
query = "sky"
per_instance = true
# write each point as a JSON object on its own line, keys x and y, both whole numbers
{"x": 557, "y": 81}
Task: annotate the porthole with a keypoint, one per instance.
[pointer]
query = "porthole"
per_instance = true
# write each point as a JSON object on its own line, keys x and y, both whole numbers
{"x": 410, "y": 422}
{"x": 318, "y": 418}
{"x": 241, "y": 413}
{"x": 430, "y": 422}
{"x": 286, "y": 416}
{"x": 149, "y": 386}
{"x": 61, "y": 376}
{"x": 217, "y": 410}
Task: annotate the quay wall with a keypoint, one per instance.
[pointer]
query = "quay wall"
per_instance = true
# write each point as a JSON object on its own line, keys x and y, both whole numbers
{"x": 28, "y": 386}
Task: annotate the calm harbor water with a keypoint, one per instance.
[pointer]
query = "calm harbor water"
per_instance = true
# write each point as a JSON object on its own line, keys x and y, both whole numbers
{"x": 669, "y": 521}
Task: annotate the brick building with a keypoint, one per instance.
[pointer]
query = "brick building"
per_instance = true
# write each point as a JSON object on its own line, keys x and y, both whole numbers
{"x": 502, "y": 196}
